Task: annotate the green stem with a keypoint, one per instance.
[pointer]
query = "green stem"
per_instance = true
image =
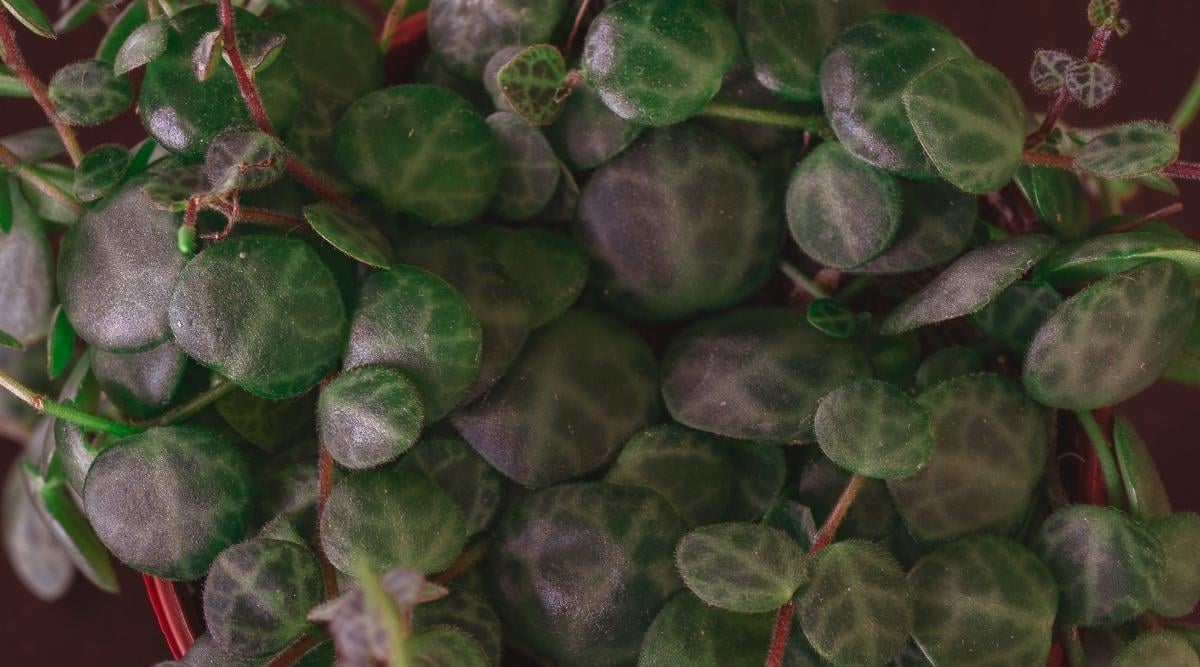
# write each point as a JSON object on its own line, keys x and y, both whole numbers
{"x": 815, "y": 123}
{"x": 1072, "y": 646}
{"x": 16, "y": 167}
{"x": 193, "y": 406}
{"x": 46, "y": 406}
{"x": 802, "y": 281}
{"x": 1188, "y": 108}
{"x": 1103, "y": 452}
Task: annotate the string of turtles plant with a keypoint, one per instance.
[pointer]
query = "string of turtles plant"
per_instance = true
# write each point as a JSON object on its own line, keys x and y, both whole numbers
{"x": 725, "y": 333}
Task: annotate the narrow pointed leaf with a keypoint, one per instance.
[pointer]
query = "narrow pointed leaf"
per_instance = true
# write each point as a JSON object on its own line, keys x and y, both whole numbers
{"x": 60, "y": 345}
{"x": 85, "y": 548}
{"x": 144, "y": 44}
{"x": 1091, "y": 259}
{"x": 28, "y": 13}
{"x": 1144, "y": 487}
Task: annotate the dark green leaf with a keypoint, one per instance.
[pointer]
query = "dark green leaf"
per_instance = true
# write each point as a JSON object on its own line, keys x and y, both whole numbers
{"x": 1016, "y": 314}
{"x": 347, "y": 65}
{"x": 6, "y": 205}
{"x": 1144, "y": 487}
{"x": 369, "y": 416}
{"x": 88, "y": 93}
{"x": 446, "y": 647}
{"x": 690, "y": 632}
{"x": 742, "y": 567}
{"x": 51, "y": 209}
{"x": 1091, "y": 259}
{"x": 268, "y": 424}
{"x": 871, "y": 517}
{"x": 1049, "y": 70}
{"x": 937, "y": 221}
{"x": 60, "y": 344}
{"x": 1091, "y": 83}
{"x": 27, "y": 12}
{"x": 947, "y": 364}
{"x": 243, "y": 160}
{"x": 12, "y": 85}
{"x": 144, "y": 44}
{"x": 532, "y": 82}
{"x": 350, "y": 232}
{"x": 7, "y": 340}
{"x": 468, "y": 612}
{"x": 474, "y": 486}
{"x": 1057, "y": 197}
{"x": 529, "y": 170}
{"x": 1107, "y": 565}
{"x": 548, "y": 267}
{"x": 588, "y": 133}
{"x": 1129, "y": 150}
{"x": 1186, "y": 366}
{"x": 258, "y": 48}
{"x": 205, "y": 55}
{"x": 463, "y": 34}
{"x": 1158, "y": 648}
{"x": 170, "y": 189}
{"x": 101, "y": 171}
{"x": 141, "y": 384}
{"x": 874, "y": 429}
{"x": 1179, "y": 590}
{"x": 834, "y": 318}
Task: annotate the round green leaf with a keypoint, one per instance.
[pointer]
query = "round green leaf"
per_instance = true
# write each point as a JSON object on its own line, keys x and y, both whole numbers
{"x": 531, "y": 82}
{"x": 468, "y": 264}
{"x": 1129, "y": 150}
{"x": 350, "y": 232}
{"x": 258, "y": 594}
{"x": 863, "y": 77}
{"x": 1144, "y": 487}
{"x": 310, "y": 138}
{"x": 983, "y": 596}
{"x": 582, "y": 386}
{"x": 871, "y": 517}
{"x": 1108, "y": 566}
{"x": 1016, "y": 314}
{"x": 1111, "y": 340}
{"x": 690, "y": 632}
{"x": 658, "y": 224}
{"x": 588, "y": 133}
{"x": 49, "y": 208}
{"x": 167, "y": 501}
{"x": 1094, "y": 258}
{"x": 393, "y": 518}
{"x": 184, "y": 114}
{"x": 1158, "y": 648}
{"x": 141, "y": 384}
{"x": 969, "y": 284}
{"x": 420, "y": 150}
{"x": 787, "y": 39}
{"x": 26, "y": 273}
{"x": 855, "y": 606}
{"x": 1179, "y": 589}
{"x": 333, "y": 50}
{"x": 936, "y": 224}
{"x": 463, "y": 34}
{"x": 468, "y": 612}
{"x": 548, "y": 267}
{"x": 657, "y": 62}
{"x": 101, "y": 171}
{"x": 474, "y": 486}
{"x": 262, "y": 311}
{"x": 971, "y": 122}
{"x": 990, "y": 444}
{"x": 755, "y": 374}
{"x": 742, "y": 567}
{"x": 842, "y": 212}
{"x": 947, "y": 363}
{"x": 368, "y": 416}
{"x": 116, "y": 270}
{"x": 580, "y": 570}
{"x": 529, "y": 169}
{"x": 409, "y": 318}
{"x": 145, "y": 43}
{"x": 758, "y": 470}
{"x": 874, "y": 429}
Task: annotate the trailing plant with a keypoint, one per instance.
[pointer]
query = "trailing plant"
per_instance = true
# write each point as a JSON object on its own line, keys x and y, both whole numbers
{"x": 676, "y": 332}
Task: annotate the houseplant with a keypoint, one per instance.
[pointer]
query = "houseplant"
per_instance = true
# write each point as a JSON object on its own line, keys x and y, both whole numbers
{"x": 840, "y": 359}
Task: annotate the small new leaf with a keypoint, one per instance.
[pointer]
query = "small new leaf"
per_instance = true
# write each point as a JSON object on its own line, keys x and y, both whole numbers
{"x": 8, "y": 340}
{"x": 258, "y": 48}
{"x": 243, "y": 160}
{"x": 146, "y": 43}
{"x": 1091, "y": 84}
{"x": 1103, "y": 13}
{"x": 1049, "y": 70}
{"x": 204, "y": 57}
{"x": 533, "y": 83}
{"x": 27, "y": 12}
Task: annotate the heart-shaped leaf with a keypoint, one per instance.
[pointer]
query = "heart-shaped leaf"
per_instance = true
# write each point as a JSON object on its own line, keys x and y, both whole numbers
{"x": 101, "y": 171}
{"x": 235, "y": 331}
{"x": 842, "y": 212}
{"x": 596, "y": 385}
{"x": 1158, "y": 647}
{"x": 243, "y": 160}
{"x": 1144, "y": 487}
{"x": 990, "y": 444}
{"x": 144, "y": 44}
{"x": 350, "y": 232}
{"x": 198, "y": 502}
{"x": 867, "y": 112}
{"x": 532, "y": 82}
{"x": 1049, "y": 70}
{"x": 369, "y": 416}
{"x": 87, "y": 92}
{"x": 1108, "y": 566}
{"x": 529, "y": 170}
{"x": 1111, "y": 340}
{"x": 28, "y": 13}
{"x": 1179, "y": 589}
{"x": 1091, "y": 259}
{"x": 755, "y": 374}
{"x": 581, "y": 569}
{"x": 411, "y": 319}
{"x": 855, "y": 607}
{"x": 412, "y": 522}
{"x": 969, "y": 283}
{"x": 1129, "y": 150}
{"x": 936, "y": 224}
{"x": 1091, "y": 84}
{"x": 141, "y": 384}
{"x": 874, "y": 429}
{"x": 742, "y": 567}
{"x": 983, "y": 595}
{"x": 258, "y": 594}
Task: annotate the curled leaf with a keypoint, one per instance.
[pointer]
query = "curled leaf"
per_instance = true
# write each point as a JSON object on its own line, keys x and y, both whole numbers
{"x": 144, "y": 44}
{"x": 243, "y": 160}
{"x": 204, "y": 56}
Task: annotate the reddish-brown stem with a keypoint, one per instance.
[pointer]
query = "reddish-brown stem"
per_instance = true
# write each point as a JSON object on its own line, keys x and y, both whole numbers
{"x": 1188, "y": 171}
{"x": 12, "y": 162}
{"x": 267, "y": 217}
{"x": 16, "y": 60}
{"x": 390, "y": 23}
{"x": 291, "y": 654}
{"x": 324, "y": 487}
{"x": 1099, "y": 41}
{"x": 1166, "y": 211}
{"x": 308, "y": 179}
{"x": 823, "y": 538}
{"x": 464, "y": 563}
{"x": 570, "y": 43}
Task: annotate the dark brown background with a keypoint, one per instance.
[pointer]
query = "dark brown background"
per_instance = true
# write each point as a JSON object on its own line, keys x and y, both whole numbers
{"x": 1157, "y": 61}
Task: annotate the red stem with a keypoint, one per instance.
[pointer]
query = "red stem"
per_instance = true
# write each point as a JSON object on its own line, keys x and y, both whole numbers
{"x": 16, "y": 60}
{"x": 570, "y": 43}
{"x": 1099, "y": 41}
{"x": 1166, "y": 211}
{"x": 324, "y": 487}
{"x": 779, "y": 636}
{"x": 1188, "y": 171}
{"x": 292, "y": 653}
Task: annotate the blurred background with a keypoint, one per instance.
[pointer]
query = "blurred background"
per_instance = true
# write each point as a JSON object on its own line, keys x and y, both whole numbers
{"x": 1157, "y": 61}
